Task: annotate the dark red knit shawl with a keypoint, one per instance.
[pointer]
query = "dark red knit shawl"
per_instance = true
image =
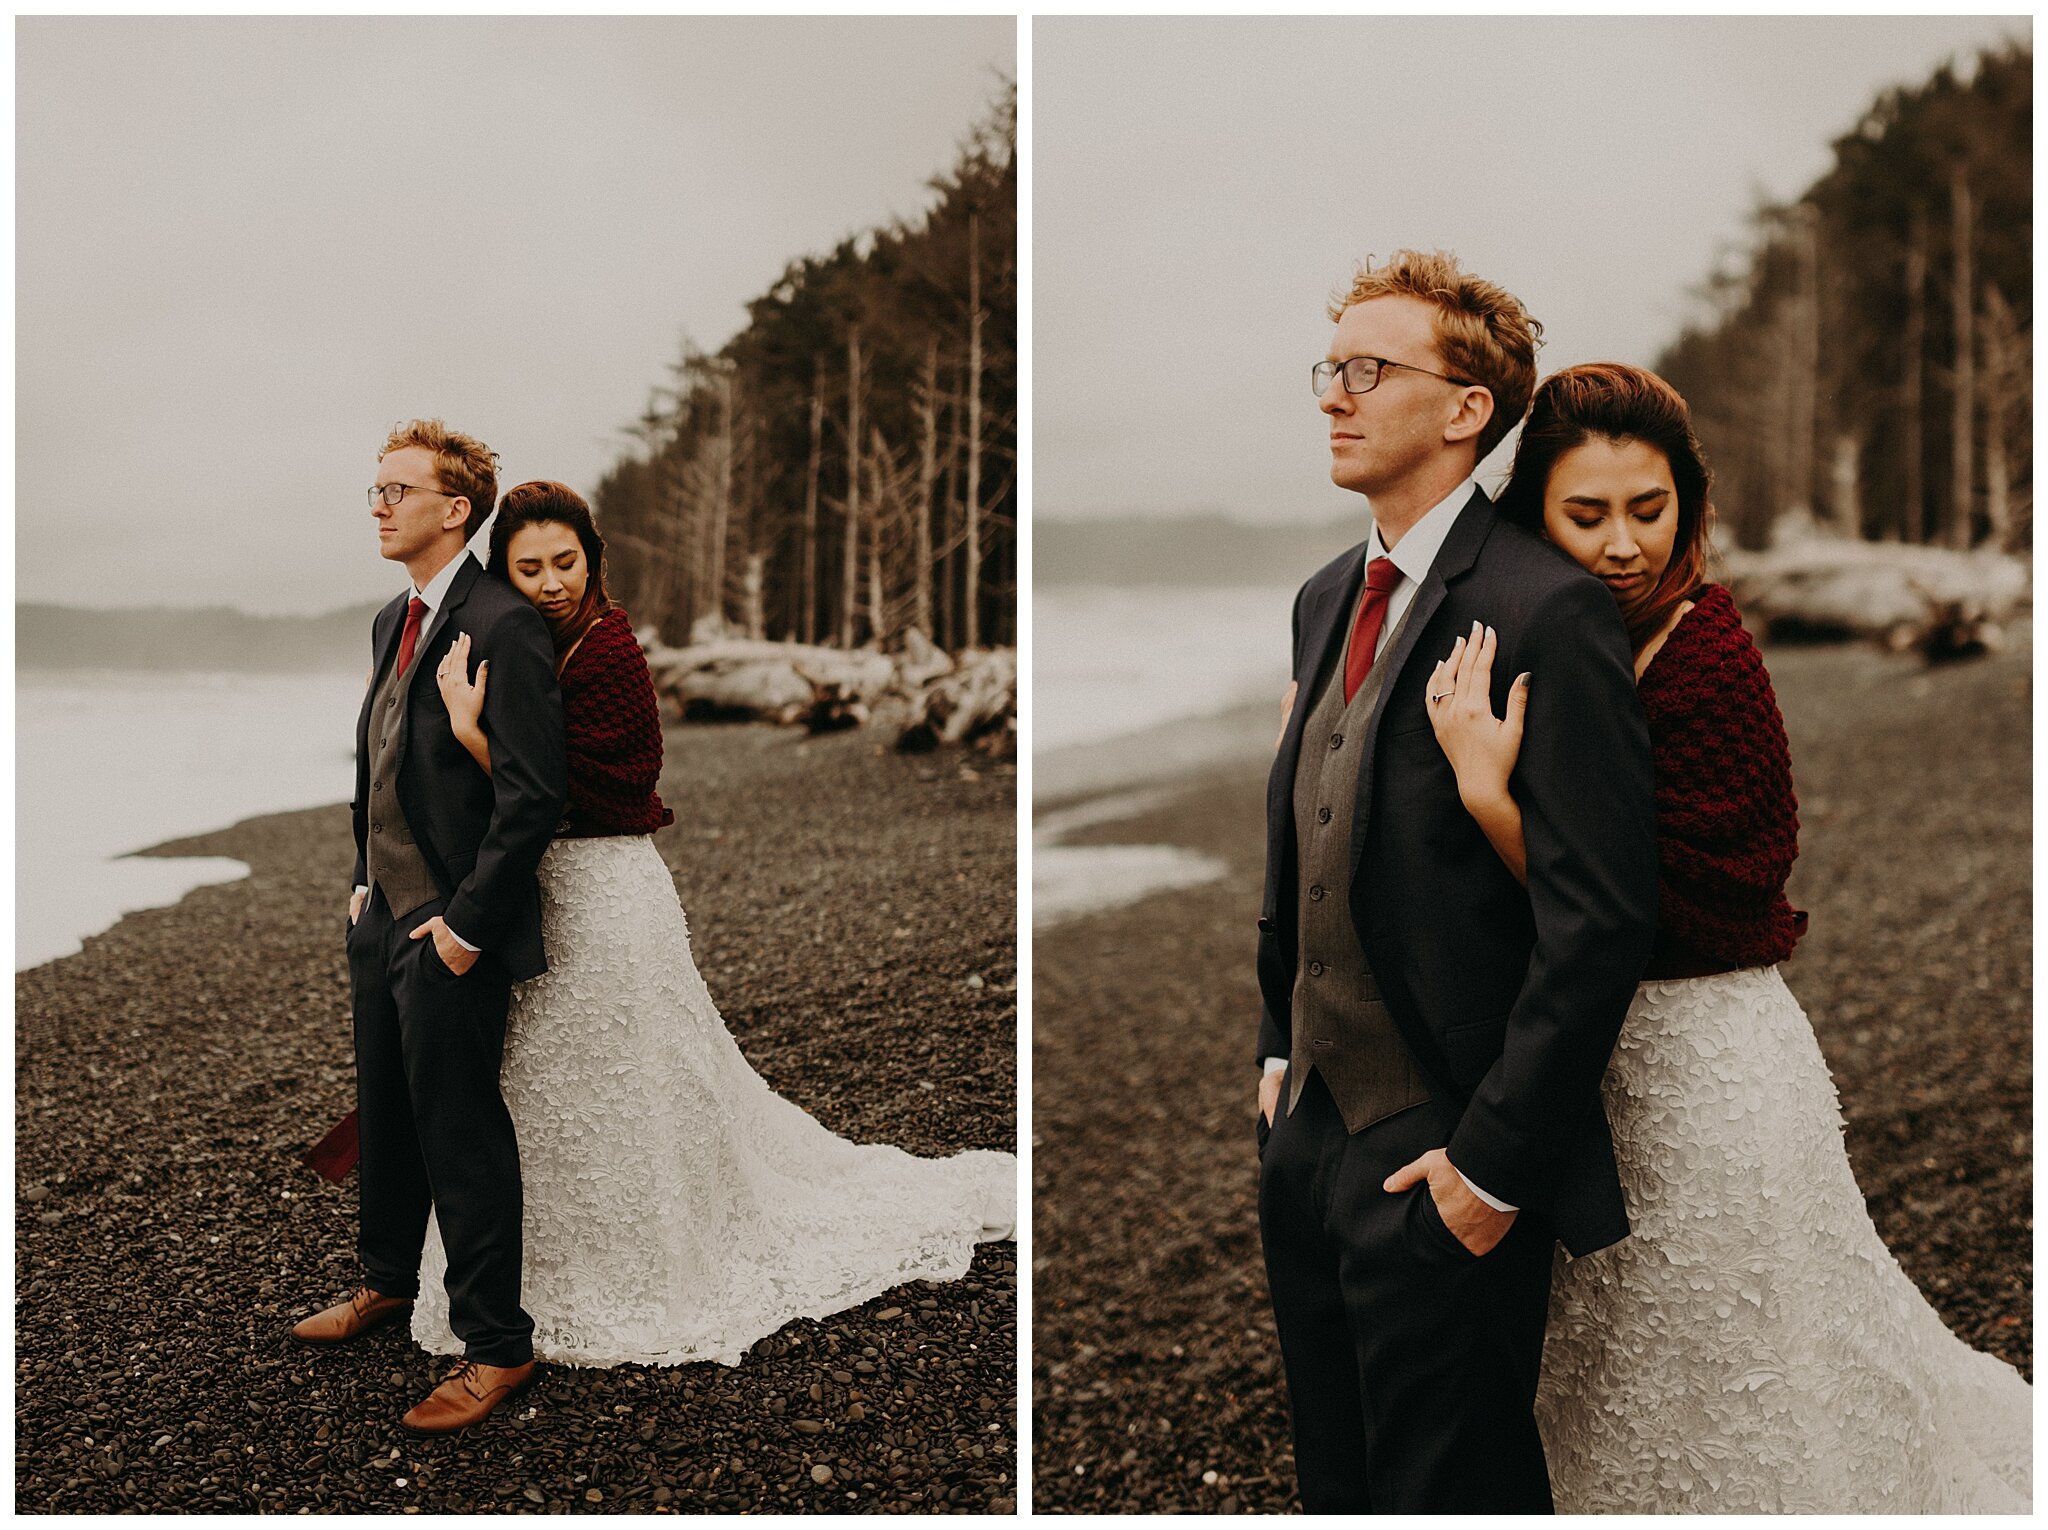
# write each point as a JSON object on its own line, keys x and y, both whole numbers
{"x": 614, "y": 734}
{"x": 1727, "y": 820}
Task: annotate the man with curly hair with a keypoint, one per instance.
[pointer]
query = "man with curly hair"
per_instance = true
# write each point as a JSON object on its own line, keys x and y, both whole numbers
{"x": 1432, "y": 1037}
{"x": 445, "y": 917}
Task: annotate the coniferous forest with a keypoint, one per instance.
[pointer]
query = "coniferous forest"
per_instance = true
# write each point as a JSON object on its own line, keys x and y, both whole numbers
{"x": 1869, "y": 359}
{"x": 844, "y": 469}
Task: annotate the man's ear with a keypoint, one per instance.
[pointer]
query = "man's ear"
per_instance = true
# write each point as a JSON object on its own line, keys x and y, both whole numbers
{"x": 1475, "y": 408}
{"x": 468, "y": 514}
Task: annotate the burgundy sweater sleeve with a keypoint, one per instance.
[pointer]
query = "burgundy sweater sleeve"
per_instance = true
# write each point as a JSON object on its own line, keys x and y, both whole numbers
{"x": 614, "y": 734}
{"x": 1727, "y": 816}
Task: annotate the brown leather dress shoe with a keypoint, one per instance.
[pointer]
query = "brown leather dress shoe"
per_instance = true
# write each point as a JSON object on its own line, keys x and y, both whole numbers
{"x": 468, "y": 1396}
{"x": 364, "y": 1311}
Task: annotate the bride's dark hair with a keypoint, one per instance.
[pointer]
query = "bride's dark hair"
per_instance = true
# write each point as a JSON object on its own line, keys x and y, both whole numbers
{"x": 543, "y": 502}
{"x": 1619, "y": 403}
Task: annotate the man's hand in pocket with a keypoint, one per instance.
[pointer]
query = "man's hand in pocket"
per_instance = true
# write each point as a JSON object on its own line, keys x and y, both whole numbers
{"x": 1470, "y": 1220}
{"x": 457, "y": 957}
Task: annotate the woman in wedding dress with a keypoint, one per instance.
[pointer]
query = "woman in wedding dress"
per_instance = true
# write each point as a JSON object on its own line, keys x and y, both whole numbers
{"x": 676, "y": 1208}
{"x": 1752, "y": 1345}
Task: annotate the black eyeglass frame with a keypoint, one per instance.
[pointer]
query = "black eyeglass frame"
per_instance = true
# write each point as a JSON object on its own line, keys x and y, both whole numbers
{"x": 1323, "y": 371}
{"x": 382, "y": 491}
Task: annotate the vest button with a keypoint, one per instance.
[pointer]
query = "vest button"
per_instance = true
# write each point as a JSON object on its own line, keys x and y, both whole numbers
{"x": 1315, "y": 893}
{"x": 375, "y": 827}
{"x": 1315, "y": 969}
{"x": 376, "y": 786}
{"x": 1336, "y": 741}
{"x": 1322, "y": 815}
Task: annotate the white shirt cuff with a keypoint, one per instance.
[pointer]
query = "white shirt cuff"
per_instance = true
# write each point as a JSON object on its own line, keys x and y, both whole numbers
{"x": 468, "y": 947}
{"x": 364, "y": 891}
{"x": 1497, "y": 1205}
{"x": 1275, "y": 1065}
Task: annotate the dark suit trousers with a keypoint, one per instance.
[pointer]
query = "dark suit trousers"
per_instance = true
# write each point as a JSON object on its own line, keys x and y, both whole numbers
{"x": 435, "y": 1131}
{"x": 1411, "y": 1363}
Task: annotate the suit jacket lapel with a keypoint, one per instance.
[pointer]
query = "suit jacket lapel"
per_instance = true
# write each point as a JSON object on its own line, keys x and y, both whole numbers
{"x": 458, "y": 591}
{"x": 430, "y": 630}
{"x": 1322, "y": 624}
{"x": 1459, "y": 551}
{"x": 384, "y": 636}
{"x": 451, "y": 601}
{"x": 384, "y": 629}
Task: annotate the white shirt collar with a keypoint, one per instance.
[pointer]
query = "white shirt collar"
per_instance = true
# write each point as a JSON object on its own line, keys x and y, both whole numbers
{"x": 1418, "y": 547}
{"x": 437, "y": 587}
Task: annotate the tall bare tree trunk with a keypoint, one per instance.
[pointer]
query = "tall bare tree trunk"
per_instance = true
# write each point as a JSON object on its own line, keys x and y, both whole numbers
{"x": 1913, "y": 519}
{"x": 1805, "y": 378}
{"x": 1999, "y": 369}
{"x": 971, "y": 598}
{"x": 927, "y": 482}
{"x": 808, "y": 626}
{"x": 755, "y": 591}
{"x": 746, "y": 506}
{"x": 1963, "y": 299}
{"x": 949, "y": 586}
{"x": 1845, "y": 489}
{"x": 679, "y": 533}
{"x": 878, "y": 616}
{"x": 721, "y": 494}
{"x": 849, "y": 601}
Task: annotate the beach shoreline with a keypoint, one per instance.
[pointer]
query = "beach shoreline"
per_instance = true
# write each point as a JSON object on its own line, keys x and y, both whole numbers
{"x": 1156, "y": 1373}
{"x": 853, "y": 912}
{"x": 1178, "y": 749}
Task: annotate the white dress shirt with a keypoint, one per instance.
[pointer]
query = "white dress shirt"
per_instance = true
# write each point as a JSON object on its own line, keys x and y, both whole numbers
{"x": 1413, "y": 555}
{"x": 431, "y": 597}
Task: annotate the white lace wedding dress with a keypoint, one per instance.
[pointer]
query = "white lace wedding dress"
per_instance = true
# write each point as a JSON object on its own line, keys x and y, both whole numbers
{"x": 677, "y": 1208}
{"x": 1753, "y": 1346}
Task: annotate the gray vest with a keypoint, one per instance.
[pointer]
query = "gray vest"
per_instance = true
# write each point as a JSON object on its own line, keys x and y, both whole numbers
{"x": 394, "y": 860}
{"x": 1341, "y": 1025}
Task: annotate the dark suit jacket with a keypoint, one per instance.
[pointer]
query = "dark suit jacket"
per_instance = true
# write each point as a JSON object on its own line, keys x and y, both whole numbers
{"x": 482, "y": 833}
{"x": 1509, "y": 1000}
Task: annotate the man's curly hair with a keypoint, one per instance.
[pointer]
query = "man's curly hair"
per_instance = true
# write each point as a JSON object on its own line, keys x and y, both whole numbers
{"x": 1483, "y": 333}
{"x": 464, "y": 464}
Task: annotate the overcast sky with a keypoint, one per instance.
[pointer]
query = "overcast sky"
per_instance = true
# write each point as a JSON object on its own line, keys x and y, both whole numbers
{"x": 1201, "y": 187}
{"x": 246, "y": 248}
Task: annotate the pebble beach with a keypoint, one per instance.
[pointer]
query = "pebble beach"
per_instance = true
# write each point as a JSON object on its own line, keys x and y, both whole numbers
{"x": 854, "y": 914}
{"x": 1156, "y": 1373}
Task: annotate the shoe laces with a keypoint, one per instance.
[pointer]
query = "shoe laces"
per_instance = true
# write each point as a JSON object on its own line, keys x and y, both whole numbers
{"x": 466, "y": 1369}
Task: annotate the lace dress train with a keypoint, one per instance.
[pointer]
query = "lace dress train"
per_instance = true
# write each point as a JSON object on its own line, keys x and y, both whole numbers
{"x": 676, "y": 1208}
{"x": 1753, "y": 1346}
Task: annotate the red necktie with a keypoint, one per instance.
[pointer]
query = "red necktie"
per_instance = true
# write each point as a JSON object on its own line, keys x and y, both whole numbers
{"x": 411, "y": 635}
{"x": 1380, "y": 578}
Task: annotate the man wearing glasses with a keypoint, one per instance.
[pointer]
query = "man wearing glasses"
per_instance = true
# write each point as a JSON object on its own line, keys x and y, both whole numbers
{"x": 444, "y": 919}
{"x": 1432, "y": 1036}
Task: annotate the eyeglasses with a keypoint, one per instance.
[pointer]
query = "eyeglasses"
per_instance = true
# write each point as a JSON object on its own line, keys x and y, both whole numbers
{"x": 392, "y": 493}
{"x": 1362, "y": 374}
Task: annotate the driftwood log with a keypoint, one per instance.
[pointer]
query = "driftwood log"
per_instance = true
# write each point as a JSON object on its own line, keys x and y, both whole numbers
{"x": 925, "y": 696}
{"x": 975, "y": 702}
{"x": 1812, "y": 586}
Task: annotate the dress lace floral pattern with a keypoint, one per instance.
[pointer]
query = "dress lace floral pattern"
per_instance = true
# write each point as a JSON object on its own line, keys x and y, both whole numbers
{"x": 677, "y": 1208}
{"x": 1753, "y": 1346}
